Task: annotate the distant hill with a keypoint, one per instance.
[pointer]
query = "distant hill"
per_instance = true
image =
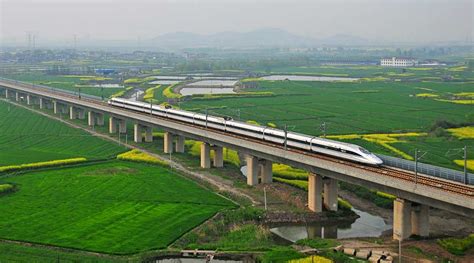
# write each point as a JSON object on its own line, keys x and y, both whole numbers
{"x": 267, "y": 37}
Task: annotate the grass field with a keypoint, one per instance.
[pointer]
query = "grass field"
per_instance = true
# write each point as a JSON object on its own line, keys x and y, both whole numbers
{"x": 114, "y": 207}
{"x": 27, "y": 137}
{"x": 69, "y": 82}
{"x": 349, "y": 108}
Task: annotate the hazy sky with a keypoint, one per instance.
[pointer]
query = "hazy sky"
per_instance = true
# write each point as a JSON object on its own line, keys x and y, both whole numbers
{"x": 386, "y": 20}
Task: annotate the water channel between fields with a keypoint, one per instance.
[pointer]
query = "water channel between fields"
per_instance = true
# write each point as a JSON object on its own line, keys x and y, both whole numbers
{"x": 367, "y": 225}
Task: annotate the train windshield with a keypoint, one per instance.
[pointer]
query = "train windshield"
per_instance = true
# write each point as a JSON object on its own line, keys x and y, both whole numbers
{"x": 364, "y": 150}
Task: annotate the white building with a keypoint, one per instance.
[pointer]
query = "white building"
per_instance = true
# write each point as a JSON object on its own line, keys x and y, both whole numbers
{"x": 398, "y": 62}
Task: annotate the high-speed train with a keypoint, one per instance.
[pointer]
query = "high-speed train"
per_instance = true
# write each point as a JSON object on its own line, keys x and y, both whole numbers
{"x": 294, "y": 140}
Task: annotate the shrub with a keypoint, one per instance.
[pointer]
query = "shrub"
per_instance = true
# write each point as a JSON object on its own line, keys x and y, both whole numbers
{"x": 11, "y": 168}
{"x": 138, "y": 156}
{"x": 243, "y": 215}
{"x": 5, "y": 188}
{"x": 457, "y": 246}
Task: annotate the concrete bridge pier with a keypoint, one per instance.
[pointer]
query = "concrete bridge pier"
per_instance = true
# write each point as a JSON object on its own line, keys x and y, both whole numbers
{"x": 72, "y": 112}
{"x": 168, "y": 142}
{"x": 266, "y": 171}
{"x": 148, "y": 133}
{"x": 41, "y": 103}
{"x": 205, "y": 155}
{"x": 138, "y": 132}
{"x": 55, "y": 107}
{"x": 330, "y": 194}
{"x": 409, "y": 219}
{"x": 252, "y": 170}
{"x": 29, "y": 99}
{"x": 6, "y": 94}
{"x": 95, "y": 118}
{"x": 315, "y": 190}
{"x": 179, "y": 144}
{"x": 115, "y": 123}
{"x": 17, "y": 96}
{"x": 218, "y": 159}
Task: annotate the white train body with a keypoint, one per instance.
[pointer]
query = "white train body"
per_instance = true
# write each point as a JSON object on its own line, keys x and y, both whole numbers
{"x": 294, "y": 140}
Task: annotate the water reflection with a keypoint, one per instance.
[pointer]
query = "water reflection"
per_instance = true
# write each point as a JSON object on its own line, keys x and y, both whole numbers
{"x": 192, "y": 91}
{"x": 306, "y": 78}
{"x": 366, "y": 225}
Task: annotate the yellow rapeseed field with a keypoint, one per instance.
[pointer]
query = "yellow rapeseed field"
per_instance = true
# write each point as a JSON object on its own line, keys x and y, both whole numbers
{"x": 311, "y": 259}
{"x": 383, "y": 139}
{"x": 139, "y": 156}
{"x": 463, "y": 132}
{"x": 470, "y": 164}
{"x": 10, "y": 168}
{"x": 427, "y": 95}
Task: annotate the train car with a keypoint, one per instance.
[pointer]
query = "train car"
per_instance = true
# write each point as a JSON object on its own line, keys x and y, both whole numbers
{"x": 337, "y": 149}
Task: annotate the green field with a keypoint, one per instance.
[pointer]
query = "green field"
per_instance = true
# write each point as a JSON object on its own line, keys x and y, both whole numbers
{"x": 27, "y": 137}
{"x": 356, "y": 108}
{"x": 69, "y": 83}
{"x": 114, "y": 207}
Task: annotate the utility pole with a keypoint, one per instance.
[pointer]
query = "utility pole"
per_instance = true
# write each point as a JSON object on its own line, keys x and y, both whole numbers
{"x": 206, "y": 117}
{"x": 323, "y": 129}
{"x": 265, "y": 197}
{"x": 466, "y": 181}
{"x": 286, "y": 136}
{"x": 416, "y": 163}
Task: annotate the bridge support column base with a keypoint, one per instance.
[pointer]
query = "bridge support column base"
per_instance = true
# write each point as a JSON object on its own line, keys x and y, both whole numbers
{"x": 218, "y": 159}
{"x": 112, "y": 125}
{"x": 420, "y": 223}
{"x": 315, "y": 189}
{"x": 137, "y": 133}
{"x": 401, "y": 219}
{"x": 179, "y": 144}
{"x": 330, "y": 194}
{"x": 266, "y": 171}
{"x": 100, "y": 118}
{"x": 90, "y": 118}
{"x": 72, "y": 112}
{"x": 252, "y": 170}
{"x": 205, "y": 155}
{"x": 168, "y": 143}
{"x": 122, "y": 126}
{"x": 148, "y": 134}
{"x": 55, "y": 107}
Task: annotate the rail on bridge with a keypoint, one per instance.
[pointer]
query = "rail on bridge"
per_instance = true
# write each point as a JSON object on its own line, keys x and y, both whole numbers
{"x": 427, "y": 169}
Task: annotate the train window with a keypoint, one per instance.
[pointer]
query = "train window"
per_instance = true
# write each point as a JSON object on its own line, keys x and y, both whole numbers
{"x": 364, "y": 150}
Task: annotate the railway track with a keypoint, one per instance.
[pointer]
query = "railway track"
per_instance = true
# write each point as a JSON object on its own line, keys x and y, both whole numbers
{"x": 408, "y": 176}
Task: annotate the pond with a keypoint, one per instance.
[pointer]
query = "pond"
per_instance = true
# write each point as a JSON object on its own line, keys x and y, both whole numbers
{"x": 367, "y": 225}
{"x": 192, "y": 91}
{"x": 164, "y": 82}
{"x": 108, "y": 86}
{"x": 214, "y": 82}
{"x": 307, "y": 78}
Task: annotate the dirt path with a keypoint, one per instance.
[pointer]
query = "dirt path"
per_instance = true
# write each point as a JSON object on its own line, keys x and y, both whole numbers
{"x": 211, "y": 179}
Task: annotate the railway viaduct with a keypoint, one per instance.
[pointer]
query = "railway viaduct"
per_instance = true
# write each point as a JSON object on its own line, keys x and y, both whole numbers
{"x": 411, "y": 208}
